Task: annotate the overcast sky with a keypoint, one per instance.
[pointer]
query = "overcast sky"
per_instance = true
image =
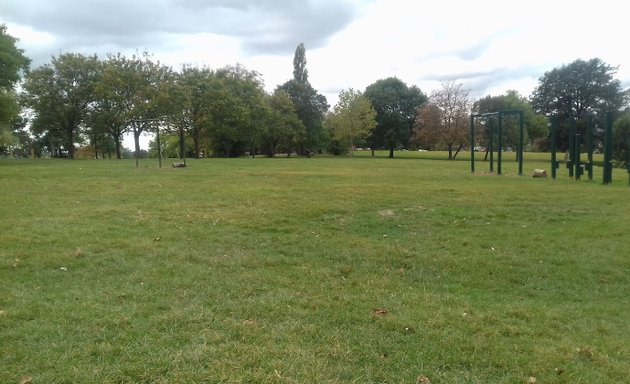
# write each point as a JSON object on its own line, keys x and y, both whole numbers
{"x": 489, "y": 46}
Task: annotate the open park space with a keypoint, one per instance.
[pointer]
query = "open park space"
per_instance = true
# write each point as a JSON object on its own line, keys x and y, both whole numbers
{"x": 320, "y": 270}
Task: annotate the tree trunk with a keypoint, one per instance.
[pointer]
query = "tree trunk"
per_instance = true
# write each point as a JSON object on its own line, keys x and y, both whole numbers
{"x": 391, "y": 152}
{"x": 450, "y": 151}
{"x": 182, "y": 145}
{"x": 196, "y": 144}
{"x": 136, "y": 140}
{"x": 351, "y": 147}
{"x": 116, "y": 133}
{"x": 118, "y": 154}
{"x": 456, "y": 152}
{"x": 70, "y": 143}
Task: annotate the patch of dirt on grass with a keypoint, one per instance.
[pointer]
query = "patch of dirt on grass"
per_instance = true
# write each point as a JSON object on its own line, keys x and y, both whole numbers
{"x": 386, "y": 213}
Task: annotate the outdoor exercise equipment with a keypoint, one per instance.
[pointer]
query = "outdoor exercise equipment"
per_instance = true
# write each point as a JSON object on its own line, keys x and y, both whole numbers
{"x": 499, "y": 115}
{"x": 576, "y": 140}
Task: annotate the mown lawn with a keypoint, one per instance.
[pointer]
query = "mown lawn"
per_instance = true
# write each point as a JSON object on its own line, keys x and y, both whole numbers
{"x": 321, "y": 270}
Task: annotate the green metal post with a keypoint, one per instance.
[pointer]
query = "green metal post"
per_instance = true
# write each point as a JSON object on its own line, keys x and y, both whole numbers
{"x": 589, "y": 146}
{"x": 578, "y": 162}
{"x": 608, "y": 150}
{"x": 520, "y": 142}
{"x": 571, "y": 159}
{"x": 491, "y": 147}
{"x": 500, "y": 144}
{"x": 577, "y": 172}
{"x": 554, "y": 147}
{"x": 472, "y": 143}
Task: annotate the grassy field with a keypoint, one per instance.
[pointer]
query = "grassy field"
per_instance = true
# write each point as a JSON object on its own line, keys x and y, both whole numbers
{"x": 321, "y": 270}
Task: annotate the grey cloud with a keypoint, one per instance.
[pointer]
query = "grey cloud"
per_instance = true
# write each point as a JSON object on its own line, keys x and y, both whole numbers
{"x": 264, "y": 26}
{"x": 474, "y": 52}
{"x": 470, "y": 53}
{"x": 480, "y": 82}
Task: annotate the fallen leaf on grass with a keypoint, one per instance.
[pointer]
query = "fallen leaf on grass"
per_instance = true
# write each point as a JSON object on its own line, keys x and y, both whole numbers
{"x": 78, "y": 252}
{"x": 531, "y": 380}
{"x": 379, "y": 312}
{"x": 585, "y": 352}
{"x": 249, "y": 323}
{"x": 422, "y": 380}
{"x": 26, "y": 379}
{"x": 2, "y": 312}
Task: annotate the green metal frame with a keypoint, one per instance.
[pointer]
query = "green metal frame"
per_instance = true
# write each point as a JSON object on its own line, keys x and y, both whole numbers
{"x": 574, "y": 162}
{"x": 521, "y": 136}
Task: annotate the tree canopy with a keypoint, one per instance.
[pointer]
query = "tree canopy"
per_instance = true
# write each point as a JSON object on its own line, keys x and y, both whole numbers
{"x": 81, "y": 100}
{"x": 59, "y": 95}
{"x": 13, "y": 64}
{"x": 444, "y": 119}
{"x": 353, "y": 118}
{"x": 535, "y": 124}
{"x": 284, "y": 130}
{"x": 311, "y": 106}
{"x": 395, "y": 104}
{"x": 577, "y": 90}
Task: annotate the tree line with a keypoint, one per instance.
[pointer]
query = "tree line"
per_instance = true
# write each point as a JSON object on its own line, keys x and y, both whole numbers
{"x": 79, "y": 101}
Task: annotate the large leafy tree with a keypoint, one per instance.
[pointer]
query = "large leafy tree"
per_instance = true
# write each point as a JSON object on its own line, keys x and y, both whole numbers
{"x": 395, "y": 104}
{"x": 240, "y": 111}
{"x": 444, "y": 119}
{"x": 108, "y": 113}
{"x": 137, "y": 89}
{"x": 12, "y": 60}
{"x": 284, "y": 130}
{"x": 577, "y": 90}
{"x": 353, "y": 118}
{"x": 12, "y": 64}
{"x": 9, "y": 111}
{"x": 311, "y": 106}
{"x": 535, "y": 124}
{"x": 148, "y": 103}
{"x": 202, "y": 93}
{"x": 59, "y": 95}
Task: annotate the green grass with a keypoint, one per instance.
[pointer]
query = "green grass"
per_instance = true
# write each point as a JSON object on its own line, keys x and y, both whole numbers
{"x": 321, "y": 270}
